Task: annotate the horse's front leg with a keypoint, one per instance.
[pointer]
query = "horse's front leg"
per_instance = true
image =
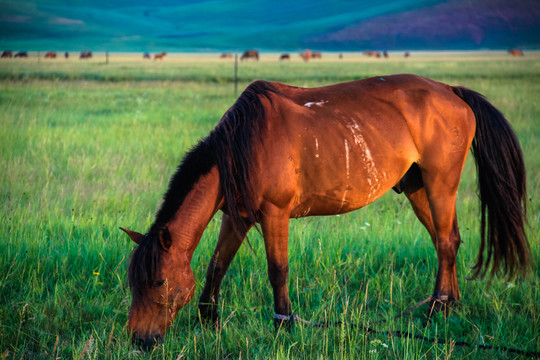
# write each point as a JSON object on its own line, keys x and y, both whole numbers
{"x": 229, "y": 242}
{"x": 275, "y": 227}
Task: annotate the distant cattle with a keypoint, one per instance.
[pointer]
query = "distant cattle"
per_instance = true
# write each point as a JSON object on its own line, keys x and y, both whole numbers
{"x": 385, "y": 54}
{"x": 146, "y": 56}
{"x": 316, "y": 55}
{"x": 284, "y": 57}
{"x": 372, "y": 53}
{"x": 225, "y": 56}
{"x": 50, "y": 55}
{"x": 340, "y": 56}
{"x": 7, "y": 54}
{"x": 160, "y": 56}
{"x": 250, "y": 54}
{"x": 85, "y": 55}
{"x": 516, "y": 52}
{"x": 66, "y": 55}
{"x": 21, "y": 54}
{"x": 407, "y": 54}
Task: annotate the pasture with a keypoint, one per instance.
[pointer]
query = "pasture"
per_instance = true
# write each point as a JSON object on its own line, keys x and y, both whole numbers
{"x": 87, "y": 147}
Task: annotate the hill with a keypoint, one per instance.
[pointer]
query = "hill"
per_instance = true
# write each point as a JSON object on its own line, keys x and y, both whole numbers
{"x": 457, "y": 24}
{"x": 212, "y": 25}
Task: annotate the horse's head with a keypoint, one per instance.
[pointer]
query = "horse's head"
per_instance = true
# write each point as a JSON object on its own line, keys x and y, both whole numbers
{"x": 161, "y": 282}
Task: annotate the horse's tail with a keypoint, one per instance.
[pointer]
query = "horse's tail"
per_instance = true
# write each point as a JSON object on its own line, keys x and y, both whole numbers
{"x": 502, "y": 190}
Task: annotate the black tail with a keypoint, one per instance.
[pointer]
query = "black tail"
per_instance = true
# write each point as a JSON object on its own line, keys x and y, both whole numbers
{"x": 502, "y": 187}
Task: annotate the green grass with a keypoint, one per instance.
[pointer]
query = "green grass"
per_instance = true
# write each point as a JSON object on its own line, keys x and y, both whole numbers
{"x": 87, "y": 147}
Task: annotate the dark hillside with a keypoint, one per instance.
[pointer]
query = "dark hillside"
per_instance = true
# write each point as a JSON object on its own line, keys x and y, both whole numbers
{"x": 458, "y": 24}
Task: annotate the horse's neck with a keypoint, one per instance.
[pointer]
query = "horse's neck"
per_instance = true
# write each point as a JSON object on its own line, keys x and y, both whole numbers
{"x": 199, "y": 206}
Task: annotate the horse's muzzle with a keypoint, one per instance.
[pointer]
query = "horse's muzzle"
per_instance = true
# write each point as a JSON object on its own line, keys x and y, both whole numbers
{"x": 147, "y": 343}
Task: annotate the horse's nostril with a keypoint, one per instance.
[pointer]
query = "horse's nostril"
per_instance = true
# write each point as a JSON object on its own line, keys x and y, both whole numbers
{"x": 144, "y": 343}
{"x": 135, "y": 340}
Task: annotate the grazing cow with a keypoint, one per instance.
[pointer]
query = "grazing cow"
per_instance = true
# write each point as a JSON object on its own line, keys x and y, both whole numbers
{"x": 226, "y": 56}
{"x": 407, "y": 54}
{"x": 340, "y": 56}
{"x": 250, "y": 54}
{"x": 50, "y": 55}
{"x": 7, "y": 54}
{"x": 385, "y": 54}
{"x": 516, "y": 52}
{"x": 316, "y": 55}
{"x": 66, "y": 55}
{"x": 285, "y": 57}
{"x": 85, "y": 55}
{"x": 21, "y": 54}
{"x": 146, "y": 56}
{"x": 160, "y": 56}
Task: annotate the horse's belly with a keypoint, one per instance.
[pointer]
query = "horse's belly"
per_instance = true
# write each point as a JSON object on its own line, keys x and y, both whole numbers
{"x": 346, "y": 179}
{"x": 345, "y": 197}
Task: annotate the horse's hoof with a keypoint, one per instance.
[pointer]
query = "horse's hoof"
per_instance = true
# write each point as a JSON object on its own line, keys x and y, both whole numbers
{"x": 283, "y": 322}
{"x": 440, "y": 303}
{"x": 209, "y": 318}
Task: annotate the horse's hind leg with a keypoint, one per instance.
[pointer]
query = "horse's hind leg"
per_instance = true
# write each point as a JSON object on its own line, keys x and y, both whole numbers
{"x": 227, "y": 246}
{"x": 444, "y": 233}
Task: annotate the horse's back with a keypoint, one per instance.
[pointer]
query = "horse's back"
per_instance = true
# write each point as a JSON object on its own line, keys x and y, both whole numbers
{"x": 337, "y": 148}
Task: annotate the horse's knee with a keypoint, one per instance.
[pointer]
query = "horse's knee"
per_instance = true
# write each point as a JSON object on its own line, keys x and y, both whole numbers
{"x": 215, "y": 271}
{"x": 455, "y": 238}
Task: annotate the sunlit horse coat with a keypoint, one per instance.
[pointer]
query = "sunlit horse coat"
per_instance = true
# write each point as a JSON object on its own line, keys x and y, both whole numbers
{"x": 282, "y": 151}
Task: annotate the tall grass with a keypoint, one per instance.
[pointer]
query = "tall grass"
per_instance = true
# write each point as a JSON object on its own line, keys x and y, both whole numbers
{"x": 88, "y": 147}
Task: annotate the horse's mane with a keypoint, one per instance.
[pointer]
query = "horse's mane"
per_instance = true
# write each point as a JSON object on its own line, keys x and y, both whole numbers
{"x": 229, "y": 146}
{"x": 236, "y": 137}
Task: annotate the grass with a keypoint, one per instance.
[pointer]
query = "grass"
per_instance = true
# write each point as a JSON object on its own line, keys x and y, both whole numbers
{"x": 87, "y": 147}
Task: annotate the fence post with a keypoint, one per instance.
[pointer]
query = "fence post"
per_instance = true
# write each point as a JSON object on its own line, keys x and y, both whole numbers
{"x": 235, "y": 75}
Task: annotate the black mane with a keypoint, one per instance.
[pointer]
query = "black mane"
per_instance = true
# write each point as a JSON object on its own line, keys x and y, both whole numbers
{"x": 199, "y": 161}
{"x": 230, "y": 146}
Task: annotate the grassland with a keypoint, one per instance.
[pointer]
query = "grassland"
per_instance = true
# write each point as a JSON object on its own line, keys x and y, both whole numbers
{"x": 87, "y": 147}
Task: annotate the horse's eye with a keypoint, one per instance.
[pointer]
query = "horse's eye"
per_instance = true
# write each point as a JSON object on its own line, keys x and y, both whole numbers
{"x": 159, "y": 283}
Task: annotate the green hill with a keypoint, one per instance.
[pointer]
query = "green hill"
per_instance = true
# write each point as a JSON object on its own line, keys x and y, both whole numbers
{"x": 211, "y": 25}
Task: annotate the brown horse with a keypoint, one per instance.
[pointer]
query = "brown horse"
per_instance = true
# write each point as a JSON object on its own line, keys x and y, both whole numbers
{"x": 284, "y": 152}
{"x": 85, "y": 55}
{"x": 306, "y": 55}
{"x": 250, "y": 54}
{"x": 516, "y": 52}
{"x": 371, "y": 53}
{"x": 160, "y": 56}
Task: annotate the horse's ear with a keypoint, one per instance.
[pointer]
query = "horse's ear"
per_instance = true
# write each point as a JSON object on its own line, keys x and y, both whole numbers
{"x": 165, "y": 238}
{"x": 135, "y": 236}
